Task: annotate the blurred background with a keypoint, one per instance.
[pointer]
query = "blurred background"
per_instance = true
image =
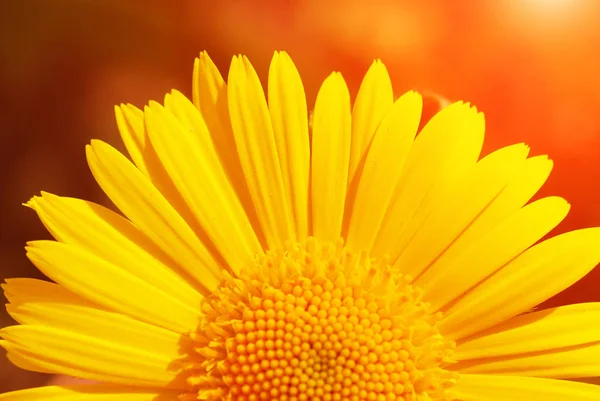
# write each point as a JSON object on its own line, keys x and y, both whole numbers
{"x": 530, "y": 65}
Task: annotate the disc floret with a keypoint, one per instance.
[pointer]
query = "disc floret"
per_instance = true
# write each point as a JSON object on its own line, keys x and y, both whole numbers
{"x": 319, "y": 322}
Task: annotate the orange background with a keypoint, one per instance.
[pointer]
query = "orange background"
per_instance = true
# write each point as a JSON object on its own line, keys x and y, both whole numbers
{"x": 530, "y": 65}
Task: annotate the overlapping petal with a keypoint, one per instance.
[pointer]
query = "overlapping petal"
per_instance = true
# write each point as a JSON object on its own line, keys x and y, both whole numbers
{"x": 62, "y": 333}
{"x": 95, "y": 392}
{"x": 472, "y": 387}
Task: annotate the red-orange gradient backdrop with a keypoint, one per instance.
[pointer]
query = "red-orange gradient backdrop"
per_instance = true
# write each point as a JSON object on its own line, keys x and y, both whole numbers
{"x": 530, "y": 65}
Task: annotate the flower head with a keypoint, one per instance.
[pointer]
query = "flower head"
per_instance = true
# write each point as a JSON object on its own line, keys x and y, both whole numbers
{"x": 265, "y": 257}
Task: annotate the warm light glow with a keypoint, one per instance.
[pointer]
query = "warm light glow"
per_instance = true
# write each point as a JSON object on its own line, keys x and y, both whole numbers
{"x": 549, "y": 4}
{"x": 547, "y": 12}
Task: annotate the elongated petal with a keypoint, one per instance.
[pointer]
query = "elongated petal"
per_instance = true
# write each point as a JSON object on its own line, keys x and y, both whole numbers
{"x": 145, "y": 206}
{"x": 565, "y": 363}
{"x": 132, "y": 127}
{"x": 113, "y": 238}
{"x": 375, "y": 96}
{"x": 289, "y": 116}
{"x": 447, "y": 146}
{"x": 19, "y": 290}
{"x": 210, "y": 98}
{"x": 92, "y": 392}
{"x": 458, "y": 208}
{"x": 58, "y": 308}
{"x": 94, "y": 357}
{"x": 560, "y": 342}
{"x": 95, "y": 278}
{"x": 545, "y": 330}
{"x": 130, "y": 121}
{"x": 494, "y": 230}
{"x": 330, "y": 155}
{"x": 257, "y": 149}
{"x": 382, "y": 169}
{"x": 522, "y": 186}
{"x": 534, "y": 276}
{"x": 465, "y": 264}
{"x": 472, "y": 387}
{"x": 185, "y": 148}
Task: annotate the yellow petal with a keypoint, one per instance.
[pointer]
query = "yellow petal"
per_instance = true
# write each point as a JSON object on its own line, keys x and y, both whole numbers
{"x": 473, "y": 259}
{"x": 375, "y": 97}
{"x": 257, "y": 150}
{"x": 113, "y": 238}
{"x": 496, "y": 227}
{"x": 145, "y": 206}
{"x": 382, "y": 169}
{"x": 91, "y": 392}
{"x": 19, "y": 290}
{"x": 514, "y": 388}
{"x": 545, "y": 330}
{"x": 454, "y": 211}
{"x": 565, "y": 363}
{"x": 330, "y": 155}
{"x": 529, "y": 279}
{"x": 110, "y": 285}
{"x": 185, "y": 148}
{"x": 210, "y": 98}
{"x": 484, "y": 196}
{"x": 92, "y": 357}
{"x": 130, "y": 121}
{"x": 520, "y": 189}
{"x": 560, "y": 343}
{"x": 58, "y": 308}
{"x": 447, "y": 146}
{"x": 289, "y": 117}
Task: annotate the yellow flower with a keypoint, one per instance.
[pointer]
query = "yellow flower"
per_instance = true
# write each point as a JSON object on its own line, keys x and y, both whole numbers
{"x": 263, "y": 257}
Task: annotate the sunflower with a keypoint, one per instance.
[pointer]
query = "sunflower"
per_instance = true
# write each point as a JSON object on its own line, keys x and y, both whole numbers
{"x": 261, "y": 256}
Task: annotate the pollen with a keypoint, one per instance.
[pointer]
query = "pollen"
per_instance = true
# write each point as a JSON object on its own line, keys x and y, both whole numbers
{"x": 319, "y": 322}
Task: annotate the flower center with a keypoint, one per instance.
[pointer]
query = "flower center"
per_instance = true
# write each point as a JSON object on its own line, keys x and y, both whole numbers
{"x": 318, "y": 322}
